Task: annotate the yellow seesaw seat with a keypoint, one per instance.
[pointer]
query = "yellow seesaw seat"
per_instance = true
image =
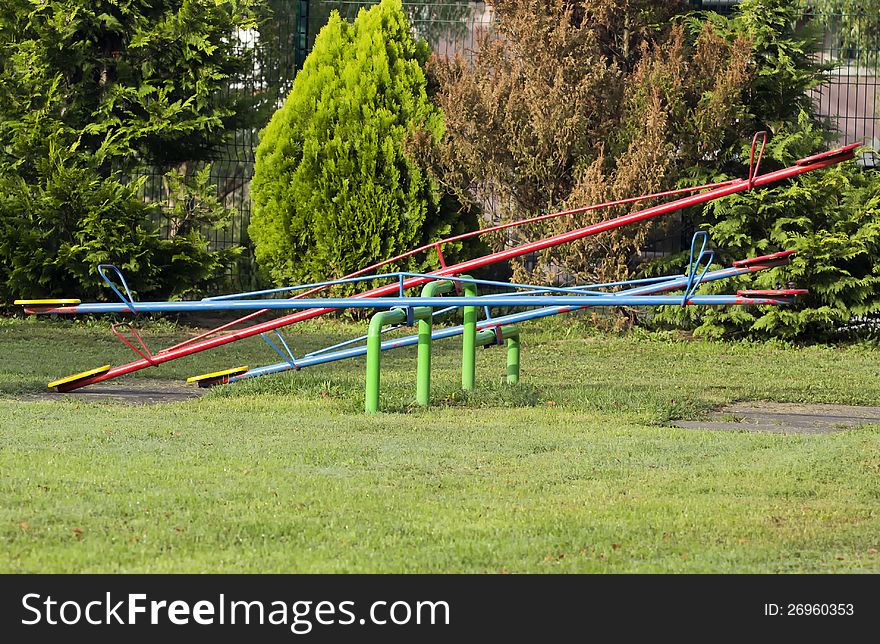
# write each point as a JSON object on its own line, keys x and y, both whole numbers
{"x": 217, "y": 377}
{"x": 79, "y": 376}
{"x": 61, "y": 302}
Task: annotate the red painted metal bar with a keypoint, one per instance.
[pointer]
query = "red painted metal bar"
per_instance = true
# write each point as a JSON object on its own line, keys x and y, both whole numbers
{"x": 783, "y": 292}
{"x": 145, "y": 354}
{"x": 834, "y": 157}
{"x": 437, "y": 245}
{"x": 758, "y": 260}
{"x": 829, "y": 154}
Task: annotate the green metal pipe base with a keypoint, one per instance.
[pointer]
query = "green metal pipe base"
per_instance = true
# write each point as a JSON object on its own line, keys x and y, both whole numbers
{"x": 423, "y": 315}
{"x": 423, "y": 369}
{"x": 468, "y": 340}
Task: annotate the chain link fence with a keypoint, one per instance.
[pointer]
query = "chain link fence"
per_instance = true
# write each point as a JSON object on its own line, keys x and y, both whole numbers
{"x": 851, "y": 43}
{"x": 279, "y": 47}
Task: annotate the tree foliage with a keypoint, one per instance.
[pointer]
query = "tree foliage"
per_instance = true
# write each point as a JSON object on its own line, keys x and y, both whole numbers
{"x": 570, "y": 102}
{"x": 829, "y": 216}
{"x": 575, "y": 102}
{"x": 55, "y": 230}
{"x": 131, "y": 80}
{"x": 97, "y": 90}
{"x": 333, "y": 188}
{"x": 854, "y": 26}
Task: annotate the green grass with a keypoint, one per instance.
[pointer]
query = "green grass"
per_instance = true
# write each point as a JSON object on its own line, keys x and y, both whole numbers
{"x": 575, "y": 470}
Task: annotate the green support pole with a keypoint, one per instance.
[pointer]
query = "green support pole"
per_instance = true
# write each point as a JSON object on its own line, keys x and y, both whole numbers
{"x": 468, "y": 341}
{"x": 423, "y": 314}
{"x": 374, "y": 354}
{"x": 423, "y": 369}
{"x": 512, "y": 335}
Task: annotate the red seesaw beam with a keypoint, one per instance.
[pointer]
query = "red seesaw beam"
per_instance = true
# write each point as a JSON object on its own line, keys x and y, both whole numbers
{"x": 804, "y": 165}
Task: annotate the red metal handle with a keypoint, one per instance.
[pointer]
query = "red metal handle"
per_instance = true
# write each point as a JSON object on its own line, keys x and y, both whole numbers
{"x": 145, "y": 354}
{"x": 754, "y": 166}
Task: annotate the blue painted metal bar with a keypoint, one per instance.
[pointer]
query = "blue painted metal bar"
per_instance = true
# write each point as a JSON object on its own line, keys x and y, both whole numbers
{"x": 286, "y": 348}
{"x": 694, "y": 263}
{"x": 642, "y": 280}
{"x": 411, "y": 340}
{"x": 289, "y": 357}
{"x": 648, "y": 285}
{"x": 586, "y": 289}
{"x": 452, "y": 308}
{"x": 535, "y": 288}
{"x": 407, "y": 341}
{"x": 301, "y": 287}
{"x": 129, "y": 302}
{"x": 403, "y": 302}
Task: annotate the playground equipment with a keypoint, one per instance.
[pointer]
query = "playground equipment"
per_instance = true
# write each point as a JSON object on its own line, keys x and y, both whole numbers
{"x": 401, "y": 308}
{"x": 410, "y": 310}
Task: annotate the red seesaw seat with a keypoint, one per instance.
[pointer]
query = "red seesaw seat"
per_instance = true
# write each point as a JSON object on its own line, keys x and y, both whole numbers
{"x": 831, "y": 154}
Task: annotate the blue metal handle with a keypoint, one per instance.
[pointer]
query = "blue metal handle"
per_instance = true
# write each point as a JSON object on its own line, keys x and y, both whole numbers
{"x": 693, "y": 280}
{"x": 128, "y": 302}
{"x": 289, "y": 358}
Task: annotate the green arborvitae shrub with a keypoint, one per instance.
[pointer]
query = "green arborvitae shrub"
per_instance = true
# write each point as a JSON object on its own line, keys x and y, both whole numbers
{"x": 93, "y": 93}
{"x": 333, "y": 188}
{"x": 56, "y": 229}
{"x": 830, "y": 216}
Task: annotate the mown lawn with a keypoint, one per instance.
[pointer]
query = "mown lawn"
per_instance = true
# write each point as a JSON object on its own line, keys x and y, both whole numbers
{"x": 575, "y": 470}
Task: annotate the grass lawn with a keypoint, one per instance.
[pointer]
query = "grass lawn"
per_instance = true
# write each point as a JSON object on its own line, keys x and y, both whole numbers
{"x": 574, "y": 470}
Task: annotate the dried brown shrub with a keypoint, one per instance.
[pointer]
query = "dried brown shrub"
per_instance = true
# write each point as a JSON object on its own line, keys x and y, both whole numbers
{"x": 573, "y": 102}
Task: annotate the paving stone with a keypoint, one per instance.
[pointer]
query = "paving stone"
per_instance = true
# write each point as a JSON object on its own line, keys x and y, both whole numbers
{"x": 131, "y": 391}
{"x": 786, "y": 418}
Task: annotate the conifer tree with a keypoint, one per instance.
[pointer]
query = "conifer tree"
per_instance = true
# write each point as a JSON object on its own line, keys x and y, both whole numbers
{"x": 334, "y": 189}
